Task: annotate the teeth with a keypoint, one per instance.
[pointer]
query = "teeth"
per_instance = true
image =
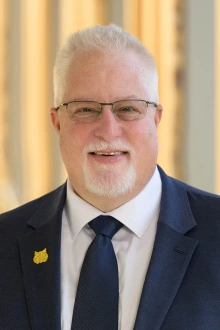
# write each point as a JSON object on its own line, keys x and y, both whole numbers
{"x": 108, "y": 153}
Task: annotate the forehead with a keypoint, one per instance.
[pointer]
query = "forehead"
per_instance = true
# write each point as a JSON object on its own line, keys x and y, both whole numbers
{"x": 107, "y": 73}
{"x": 96, "y": 60}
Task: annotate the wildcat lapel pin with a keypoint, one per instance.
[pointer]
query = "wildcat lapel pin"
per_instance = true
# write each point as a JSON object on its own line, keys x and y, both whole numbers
{"x": 40, "y": 256}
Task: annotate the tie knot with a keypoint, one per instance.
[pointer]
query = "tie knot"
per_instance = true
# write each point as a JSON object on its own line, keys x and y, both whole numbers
{"x": 105, "y": 225}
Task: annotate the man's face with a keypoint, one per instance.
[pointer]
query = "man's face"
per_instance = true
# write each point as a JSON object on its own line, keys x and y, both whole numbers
{"x": 108, "y": 160}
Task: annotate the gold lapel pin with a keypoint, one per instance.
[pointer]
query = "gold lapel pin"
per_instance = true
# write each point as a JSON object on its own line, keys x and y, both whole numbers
{"x": 40, "y": 256}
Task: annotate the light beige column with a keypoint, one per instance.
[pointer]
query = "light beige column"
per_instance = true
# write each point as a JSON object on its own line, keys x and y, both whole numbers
{"x": 217, "y": 95}
{"x": 155, "y": 23}
{"x": 131, "y": 11}
{"x": 75, "y": 15}
{"x": 170, "y": 64}
{"x": 8, "y": 198}
{"x": 149, "y": 31}
{"x": 35, "y": 90}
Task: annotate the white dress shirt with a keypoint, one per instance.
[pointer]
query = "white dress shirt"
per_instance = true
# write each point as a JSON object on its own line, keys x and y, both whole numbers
{"x": 133, "y": 245}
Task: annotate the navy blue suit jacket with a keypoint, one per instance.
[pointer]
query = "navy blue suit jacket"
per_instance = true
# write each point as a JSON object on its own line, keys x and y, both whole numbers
{"x": 182, "y": 286}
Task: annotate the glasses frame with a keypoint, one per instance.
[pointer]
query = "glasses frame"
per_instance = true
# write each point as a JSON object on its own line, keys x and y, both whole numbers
{"x": 111, "y": 103}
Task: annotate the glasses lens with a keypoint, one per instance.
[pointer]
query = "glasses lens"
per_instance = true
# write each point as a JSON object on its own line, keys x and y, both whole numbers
{"x": 88, "y": 111}
{"x": 83, "y": 111}
{"x": 130, "y": 109}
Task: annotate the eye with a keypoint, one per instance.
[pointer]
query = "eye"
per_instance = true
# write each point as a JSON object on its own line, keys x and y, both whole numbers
{"x": 128, "y": 109}
{"x": 85, "y": 109}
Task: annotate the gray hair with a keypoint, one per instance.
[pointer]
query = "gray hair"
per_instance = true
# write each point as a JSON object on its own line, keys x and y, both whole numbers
{"x": 98, "y": 38}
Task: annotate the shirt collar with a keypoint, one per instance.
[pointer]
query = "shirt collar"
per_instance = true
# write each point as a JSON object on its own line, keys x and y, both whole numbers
{"x": 136, "y": 214}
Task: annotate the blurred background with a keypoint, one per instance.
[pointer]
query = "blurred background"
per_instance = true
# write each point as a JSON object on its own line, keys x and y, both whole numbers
{"x": 183, "y": 36}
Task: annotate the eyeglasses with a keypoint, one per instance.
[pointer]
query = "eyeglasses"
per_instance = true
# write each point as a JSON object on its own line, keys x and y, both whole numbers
{"x": 89, "y": 111}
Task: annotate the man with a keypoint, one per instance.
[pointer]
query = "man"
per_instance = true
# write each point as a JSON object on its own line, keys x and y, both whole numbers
{"x": 54, "y": 273}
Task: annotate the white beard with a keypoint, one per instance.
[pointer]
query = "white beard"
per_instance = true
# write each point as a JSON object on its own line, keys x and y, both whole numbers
{"x": 109, "y": 181}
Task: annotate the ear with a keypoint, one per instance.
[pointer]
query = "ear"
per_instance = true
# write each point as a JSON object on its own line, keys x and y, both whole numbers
{"x": 158, "y": 114}
{"x": 55, "y": 119}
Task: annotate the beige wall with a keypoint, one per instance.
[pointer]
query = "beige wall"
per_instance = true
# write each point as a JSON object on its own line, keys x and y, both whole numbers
{"x": 202, "y": 141}
{"x": 217, "y": 96}
{"x": 31, "y": 32}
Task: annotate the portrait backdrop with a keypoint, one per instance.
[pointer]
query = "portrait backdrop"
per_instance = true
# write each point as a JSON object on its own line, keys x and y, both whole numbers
{"x": 184, "y": 38}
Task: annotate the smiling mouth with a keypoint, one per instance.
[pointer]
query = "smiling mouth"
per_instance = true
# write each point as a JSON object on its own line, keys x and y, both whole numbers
{"x": 112, "y": 153}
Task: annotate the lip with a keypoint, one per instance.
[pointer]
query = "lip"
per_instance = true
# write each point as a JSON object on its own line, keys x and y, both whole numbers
{"x": 108, "y": 156}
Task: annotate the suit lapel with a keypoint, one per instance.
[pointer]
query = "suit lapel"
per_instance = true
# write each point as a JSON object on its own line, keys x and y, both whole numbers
{"x": 170, "y": 257}
{"x": 41, "y": 274}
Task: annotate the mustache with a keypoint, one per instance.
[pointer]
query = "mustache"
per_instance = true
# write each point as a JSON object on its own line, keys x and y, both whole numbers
{"x": 103, "y": 145}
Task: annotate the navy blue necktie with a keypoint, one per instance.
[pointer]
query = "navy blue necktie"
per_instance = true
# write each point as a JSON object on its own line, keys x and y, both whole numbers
{"x": 96, "y": 304}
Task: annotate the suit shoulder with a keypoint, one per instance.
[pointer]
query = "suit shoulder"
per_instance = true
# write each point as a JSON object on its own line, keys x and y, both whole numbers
{"x": 25, "y": 211}
{"x": 177, "y": 185}
{"x": 203, "y": 204}
{"x": 199, "y": 193}
{"x": 171, "y": 182}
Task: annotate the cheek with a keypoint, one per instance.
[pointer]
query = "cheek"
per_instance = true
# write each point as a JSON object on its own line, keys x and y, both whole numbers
{"x": 146, "y": 145}
{"x": 145, "y": 135}
{"x": 72, "y": 140}
{"x": 68, "y": 143}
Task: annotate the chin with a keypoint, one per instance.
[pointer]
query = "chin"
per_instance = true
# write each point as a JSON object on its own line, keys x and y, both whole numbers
{"x": 110, "y": 183}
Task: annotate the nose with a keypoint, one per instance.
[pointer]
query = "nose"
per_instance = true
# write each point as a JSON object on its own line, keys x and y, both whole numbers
{"x": 107, "y": 127}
